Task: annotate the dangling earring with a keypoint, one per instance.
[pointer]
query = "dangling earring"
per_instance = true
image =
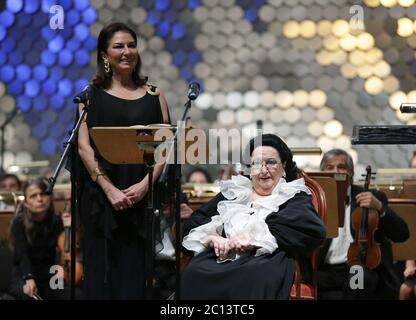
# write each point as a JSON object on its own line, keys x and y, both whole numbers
{"x": 284, "y": 175}
{"x": 106, "y": 66}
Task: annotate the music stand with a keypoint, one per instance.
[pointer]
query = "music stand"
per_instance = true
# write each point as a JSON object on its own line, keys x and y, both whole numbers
{"x": 9, "y": 203}
{"x": 342, "y": 185}
{"x": 405, "y": 208}
{"x": 136, "y": 145}
{"x": 329, "y": 187}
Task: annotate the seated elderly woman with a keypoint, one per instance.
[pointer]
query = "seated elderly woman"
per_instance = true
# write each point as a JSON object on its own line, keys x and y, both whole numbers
{"x": 245, "y": 239}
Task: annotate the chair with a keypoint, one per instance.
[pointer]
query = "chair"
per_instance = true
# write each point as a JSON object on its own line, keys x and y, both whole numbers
{"x": 299, "y": 290}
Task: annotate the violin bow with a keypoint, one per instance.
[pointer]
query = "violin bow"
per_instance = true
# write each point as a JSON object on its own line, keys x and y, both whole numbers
{"x": 37, "y": 297}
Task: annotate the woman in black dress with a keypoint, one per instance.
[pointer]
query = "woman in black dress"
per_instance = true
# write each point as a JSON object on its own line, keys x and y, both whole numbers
{"x": 34, "y": 233}
{"x": 112, "y": 196}
{"x": 246, "y": 238}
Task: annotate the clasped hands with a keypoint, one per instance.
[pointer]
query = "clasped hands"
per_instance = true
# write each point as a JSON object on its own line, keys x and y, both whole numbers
{"x": 126, "y": 198}
{"x": 224, "y": 246}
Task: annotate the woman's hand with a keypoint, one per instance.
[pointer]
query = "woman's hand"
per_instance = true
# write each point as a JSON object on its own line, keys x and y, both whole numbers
{"x": 118, "y": 199}
{"x": 30, "y": 288}
{"x": 66, "y": 219}
{"x": 241, "y": 243}
{"x": 137, "y": 191}
{"x": 221, "y": 245}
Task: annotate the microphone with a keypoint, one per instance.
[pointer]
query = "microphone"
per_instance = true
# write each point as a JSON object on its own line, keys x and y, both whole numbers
{"x": 84, "y": 95}
{"x": 193, "y": 90}
{"x": 408, "y": 108}
{"x": 259, "y": 124}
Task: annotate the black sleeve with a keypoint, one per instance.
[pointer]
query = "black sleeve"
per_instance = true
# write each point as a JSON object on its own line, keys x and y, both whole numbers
{"x": 58, "y": 228}
{"x": 296, "y": 226}
{"x": 392, "y": 225}
{"x": 58, "y": 225}
{"x": 21, "y": 249}
{"x": 202, "y": 215}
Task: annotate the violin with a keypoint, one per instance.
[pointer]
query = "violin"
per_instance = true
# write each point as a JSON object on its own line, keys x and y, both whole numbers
{"x": 64, "y": 248}
{"x": 364, "y": 251}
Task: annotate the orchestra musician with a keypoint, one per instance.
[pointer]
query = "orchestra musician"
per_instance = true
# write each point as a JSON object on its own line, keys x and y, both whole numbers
{"x": 33, "y": 235}
{"x": 333, "y": 271}
{"x": 9, "y": 183}
{"x": 198, "y": 175}
{"x": 408, "y": 287}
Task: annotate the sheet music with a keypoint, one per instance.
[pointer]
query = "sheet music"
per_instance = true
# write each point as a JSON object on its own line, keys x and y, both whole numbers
{"x": 157, "y": 125}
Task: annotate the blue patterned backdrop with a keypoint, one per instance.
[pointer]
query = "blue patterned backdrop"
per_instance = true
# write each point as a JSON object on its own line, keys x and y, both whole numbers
{"x": 296, "y": 65}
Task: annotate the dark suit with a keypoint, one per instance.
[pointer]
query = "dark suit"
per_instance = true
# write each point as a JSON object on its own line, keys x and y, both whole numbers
{"x": 382, "y": 281}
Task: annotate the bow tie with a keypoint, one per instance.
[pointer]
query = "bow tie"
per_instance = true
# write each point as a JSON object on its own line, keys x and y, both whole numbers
{"x": 347, "y": 200}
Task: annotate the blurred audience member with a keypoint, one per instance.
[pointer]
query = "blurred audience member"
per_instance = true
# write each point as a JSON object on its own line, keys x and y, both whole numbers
{"x": 226, "y": 172}
{"x": 408, "y": 287}
{"x": 198, "y": 175}
{"x": 412, "y": 163}
{"x": 9, "y": 183}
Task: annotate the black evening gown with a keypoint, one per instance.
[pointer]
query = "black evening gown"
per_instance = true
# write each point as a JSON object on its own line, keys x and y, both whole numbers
{"x": 297, "y": 229}
{"x": 114, "y": 241}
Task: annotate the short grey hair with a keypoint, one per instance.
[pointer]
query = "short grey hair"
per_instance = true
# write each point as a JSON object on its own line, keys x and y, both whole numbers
{"x": 337, "y": 152}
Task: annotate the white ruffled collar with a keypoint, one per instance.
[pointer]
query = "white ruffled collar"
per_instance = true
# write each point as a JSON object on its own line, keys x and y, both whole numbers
{"x": 238, "y": 217}
{"x": 239, "y": 190}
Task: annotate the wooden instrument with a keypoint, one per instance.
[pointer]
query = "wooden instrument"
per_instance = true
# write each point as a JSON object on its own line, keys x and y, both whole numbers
{"x": 199, "y": 193}
{"x": 64, "y": 247}
{"x": 364, "y": 251}
{"x": 37, "y": 297}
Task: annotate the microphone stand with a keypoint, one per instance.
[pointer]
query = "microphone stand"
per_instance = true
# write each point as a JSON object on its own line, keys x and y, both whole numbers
{"x": 177, "y": 193}
{"x": 150, "y": 216}
{"x": 2, "y": 128}
{"x": 74, "y": 199}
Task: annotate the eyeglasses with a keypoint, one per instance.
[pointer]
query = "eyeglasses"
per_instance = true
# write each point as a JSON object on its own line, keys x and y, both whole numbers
{"x": 257, "y": 165}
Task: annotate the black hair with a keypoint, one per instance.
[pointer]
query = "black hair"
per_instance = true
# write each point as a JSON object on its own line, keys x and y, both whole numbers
{"x": 13, "y": 176}
{"x": 334, "y": 153}
{"x": 103, "y": 79}
{"x": 272, "y": 140}
{"x": 25, "y": 215}
{"x": 199, "y": 169}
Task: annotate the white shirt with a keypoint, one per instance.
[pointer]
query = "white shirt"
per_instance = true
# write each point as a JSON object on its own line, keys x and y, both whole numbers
{"x": 168, "y": 251}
